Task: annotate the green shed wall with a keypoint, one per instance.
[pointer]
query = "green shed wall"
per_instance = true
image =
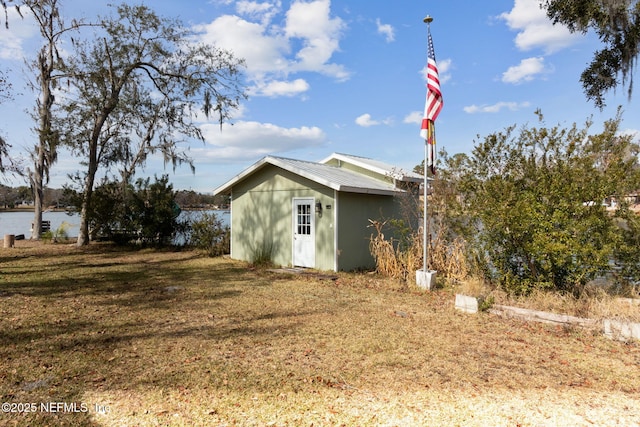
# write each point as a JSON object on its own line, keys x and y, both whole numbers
{"x": 354, "y": 233}
{"x": 261, "y": 217}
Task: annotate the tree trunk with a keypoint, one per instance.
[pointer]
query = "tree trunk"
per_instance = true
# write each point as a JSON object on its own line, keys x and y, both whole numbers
{"x": 44, "y": 136}
{"x": 83, "y": 235}
{"x": 46, "y": 144}
{"x": 36, "y": 182}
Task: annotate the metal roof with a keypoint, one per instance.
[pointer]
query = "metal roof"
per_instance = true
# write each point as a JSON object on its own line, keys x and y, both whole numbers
{"x": 376, "y": 166}
{"x": 337, "y": 178}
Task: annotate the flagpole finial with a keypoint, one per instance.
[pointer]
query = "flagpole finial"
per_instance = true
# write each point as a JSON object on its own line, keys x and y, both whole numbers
{"x": 428, "y": 19}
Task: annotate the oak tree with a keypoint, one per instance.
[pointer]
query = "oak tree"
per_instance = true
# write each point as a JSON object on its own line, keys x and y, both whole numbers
{"x": 135, "y": 89}
{"x": 617, "y": 24}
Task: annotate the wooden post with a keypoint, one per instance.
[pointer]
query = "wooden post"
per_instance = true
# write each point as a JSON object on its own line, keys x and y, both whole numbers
{"x": 9, "y": 240}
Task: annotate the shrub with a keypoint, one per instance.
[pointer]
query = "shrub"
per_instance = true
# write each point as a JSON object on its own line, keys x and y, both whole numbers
{"x": 262, "y": 255}
{"x": 529, "y": 205}
{"x": 154, "y": 210}
{"x": 209, "y": 233}
{"x": 121, "y": 212}
{"x": 400, "y": 258}
{"x": 60, "y": 234}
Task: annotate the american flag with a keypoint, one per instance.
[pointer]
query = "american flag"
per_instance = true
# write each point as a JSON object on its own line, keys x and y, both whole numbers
{"x": 432, "y": 106}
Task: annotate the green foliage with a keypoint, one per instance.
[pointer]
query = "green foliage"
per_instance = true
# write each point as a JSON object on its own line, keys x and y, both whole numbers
{"x": 617, "y": 24}
{"x": 142, "y": 101}
{"x": 209, "y": 233}
{"x": 47, "y": 236}
{"x": 402, "y": 233}
{"x": 530, "y": 205}
{"x": 110, "y": 213}
{"x": 153, "y": 210}
{"x": 485, "y": 304}
{"x": 145, "y": 212}
{"x": 627, "y": 251}
{"x": 60, "y": 234}
{"x": 262, "y": 255}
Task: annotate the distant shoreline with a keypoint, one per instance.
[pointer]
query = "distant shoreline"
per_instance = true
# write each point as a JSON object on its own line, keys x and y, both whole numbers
{"x": 31, "y": 209}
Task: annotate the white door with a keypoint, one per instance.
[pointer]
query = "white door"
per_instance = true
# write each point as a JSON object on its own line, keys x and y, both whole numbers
{"x": 304, "y": 235}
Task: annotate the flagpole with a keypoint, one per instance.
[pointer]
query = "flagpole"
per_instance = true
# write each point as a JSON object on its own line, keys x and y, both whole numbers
{"x": 425, "y": 278}
{"x": 424, "y": 213}
{"x": 425, "y": 235}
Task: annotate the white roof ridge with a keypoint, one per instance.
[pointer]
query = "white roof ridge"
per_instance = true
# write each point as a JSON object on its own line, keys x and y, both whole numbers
{"x": 376, "y": 166}
{"x": 337, "y": 178}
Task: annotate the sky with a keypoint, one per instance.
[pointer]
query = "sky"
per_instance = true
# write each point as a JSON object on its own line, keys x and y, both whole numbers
{"x": 348, "y": 76}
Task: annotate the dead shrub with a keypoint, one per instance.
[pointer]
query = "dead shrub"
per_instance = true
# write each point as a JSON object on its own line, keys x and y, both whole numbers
{"x": 390, "y": 259}
{"x": 399, "y": 261}
{"x": 449, "y": 258}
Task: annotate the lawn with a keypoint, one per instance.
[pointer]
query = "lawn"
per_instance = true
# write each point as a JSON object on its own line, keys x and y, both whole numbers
{"x": 105, "y": 336}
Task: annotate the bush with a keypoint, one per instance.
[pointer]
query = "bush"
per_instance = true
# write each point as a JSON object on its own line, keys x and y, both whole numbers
{"x": 262, "y": 255}
{"x": 209, "y": 233}
{"x": 60, "y": 234}
{"x": 121, "y": 212}
{"x": 529, "y": 206}
{"x": 395, "y": 258}
{"x": 400, "y": 258}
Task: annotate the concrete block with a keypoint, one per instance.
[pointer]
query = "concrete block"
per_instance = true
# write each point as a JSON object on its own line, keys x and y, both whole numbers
{"x": 466, "y": 303}
{"x": 621, "y": 331}
{"x": 426, "y": 279}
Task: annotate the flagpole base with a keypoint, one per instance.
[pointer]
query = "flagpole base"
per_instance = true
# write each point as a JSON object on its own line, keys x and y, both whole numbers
{"x": 426, "y": 279}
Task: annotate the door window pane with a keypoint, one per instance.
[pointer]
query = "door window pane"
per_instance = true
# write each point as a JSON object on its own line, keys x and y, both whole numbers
{"x": 304, "y": 219}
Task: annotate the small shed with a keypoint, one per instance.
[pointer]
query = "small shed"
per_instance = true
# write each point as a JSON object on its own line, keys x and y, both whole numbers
{"x": 307, "y": 214}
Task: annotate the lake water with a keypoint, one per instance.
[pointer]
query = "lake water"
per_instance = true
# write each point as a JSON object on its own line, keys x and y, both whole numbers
{"x": 20, "y": 222}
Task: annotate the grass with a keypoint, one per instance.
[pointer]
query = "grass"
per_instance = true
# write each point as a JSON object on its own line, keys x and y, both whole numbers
{"x": 155, "y": 337}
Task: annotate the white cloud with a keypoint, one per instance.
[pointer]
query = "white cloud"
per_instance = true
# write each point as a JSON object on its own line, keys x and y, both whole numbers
{"x": 496, "y": 108}
{"x": 264, "y": 53}
{"x": 525, "y": 71}
{"x": 386, "y": 30}
{"x": 443, "y": 70}
{"x": 414, "y": 117}
{"x": 444, "y": 65}
{"x": 304, "y": 41}
{"x": 535, "y": 29}
{"x": 249, "y": 139}
{"x": 264, "y": 11}
{"x": 277, "y": 44}
{"x": 320, "y": 35}
{"x": 20, "y": 29}
{"x": 365, "y": 120}
{"x": 276, "y": 88}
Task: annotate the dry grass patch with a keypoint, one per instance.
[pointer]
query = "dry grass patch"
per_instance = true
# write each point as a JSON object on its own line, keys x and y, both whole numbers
{"x": 174, "y": 338}
{"x": 595, "y": 303}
